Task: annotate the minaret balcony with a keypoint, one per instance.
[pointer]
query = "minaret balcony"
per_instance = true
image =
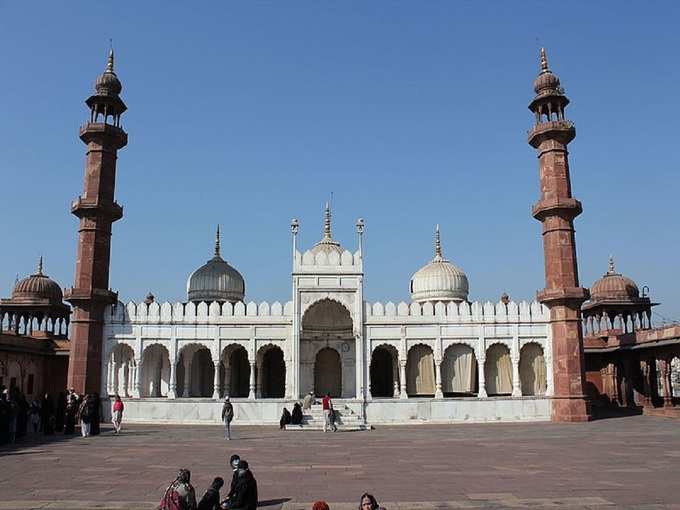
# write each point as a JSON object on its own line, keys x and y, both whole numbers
{"x": 75, "y": 295}
{"x": 565, "y": 207}
{"x": 83, "y": 208}
{"x": 93, "y": 131}
{"x": 563, "y": 131}
{"x": 563, "y": 295}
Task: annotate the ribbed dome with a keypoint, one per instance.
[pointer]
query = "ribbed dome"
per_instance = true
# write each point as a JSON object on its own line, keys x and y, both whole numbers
{"x": 327, "y": 243}
{"x": 546, "y": 82}
{"x": 107, "y": 83}
{"x": 38, "y": 287}
{"x": 440, "y": 280}
{"x": 614, "y": 286}
{"x": 216, "y": 280}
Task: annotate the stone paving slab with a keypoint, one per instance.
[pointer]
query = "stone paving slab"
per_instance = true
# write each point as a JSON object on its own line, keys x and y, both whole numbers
{"x": 625, "y": 462}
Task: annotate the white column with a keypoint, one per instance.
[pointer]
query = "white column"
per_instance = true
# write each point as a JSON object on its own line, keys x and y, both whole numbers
{"x": 480, "y": 377}
{"x": 227, "y": 378}
{"x": 288, "y": 386}
{"x": 187, "y": 377}
{"x": 516, "y": 382}
{"x": 438, "y": 393}
{"x": 359, "y": 366}
{"x": 137, "y": 391}
{"x": 395, "y": 377}
{"x": 172, "y": 387}
{"x": 109, "y": 377}
{"x": 216, "y": 380}
{"x": 402, "y": 376}
{"x": 258, "y": 385}
{"x": 251, "y": 395}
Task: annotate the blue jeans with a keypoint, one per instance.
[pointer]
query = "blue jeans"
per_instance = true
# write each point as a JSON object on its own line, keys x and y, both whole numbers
{"x": 227, "y": 429}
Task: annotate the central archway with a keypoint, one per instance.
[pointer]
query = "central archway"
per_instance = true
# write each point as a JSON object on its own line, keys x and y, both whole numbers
{"x": 328, "y": 373}
{"x": 328, "y": 350}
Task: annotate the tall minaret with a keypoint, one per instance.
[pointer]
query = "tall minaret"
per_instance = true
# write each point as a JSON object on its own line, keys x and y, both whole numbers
{"x": 556, "y": 210}
{"x": 97, "y": 210}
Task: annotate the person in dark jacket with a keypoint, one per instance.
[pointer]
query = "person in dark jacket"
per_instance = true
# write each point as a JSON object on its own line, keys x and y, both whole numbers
{"x": 211, "y": 498}
{"x": 234, "y": 461}
{"x": 96, "y": 414}
{"x": 70, "y": 414}
{"x": 285, "y": 418}
{"x": 227, "y": 417}
{"x": 296, "y": 416}
{"x": 245, "y": 492}
{"x": 47, "y": 415}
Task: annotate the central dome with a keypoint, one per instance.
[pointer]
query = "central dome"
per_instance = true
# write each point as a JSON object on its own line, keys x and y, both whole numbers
{"x": 216, "y": 280}
{"x": 38, "y": 288}
{"x": 440, "y": 280}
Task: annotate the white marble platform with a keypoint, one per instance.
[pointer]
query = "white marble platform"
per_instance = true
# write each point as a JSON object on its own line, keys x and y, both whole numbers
{"x": 377, "y": 412}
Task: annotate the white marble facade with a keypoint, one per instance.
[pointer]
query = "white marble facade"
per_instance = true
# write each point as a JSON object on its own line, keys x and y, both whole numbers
{"x": 391, "y": 363}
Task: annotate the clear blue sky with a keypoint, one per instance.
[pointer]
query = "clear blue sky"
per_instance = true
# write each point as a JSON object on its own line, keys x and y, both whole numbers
{"x": 412, "y": 113}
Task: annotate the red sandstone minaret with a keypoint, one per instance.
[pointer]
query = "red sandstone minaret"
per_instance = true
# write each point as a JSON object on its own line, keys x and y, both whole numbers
{"x": 97, "y": 210}
{"x": 556, "y": 210}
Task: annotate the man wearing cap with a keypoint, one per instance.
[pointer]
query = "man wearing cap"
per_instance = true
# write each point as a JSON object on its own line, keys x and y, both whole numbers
{"x": 227, "y": 416}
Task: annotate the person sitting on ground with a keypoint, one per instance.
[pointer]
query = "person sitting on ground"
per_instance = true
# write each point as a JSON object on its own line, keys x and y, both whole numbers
{"x": 233, "y": 464}
{"x": 320, "y": 505}
{"x": 296, "y": 416}
{"x": 211, "y": 498}
{"x": 368, "y": 502}
{"x": 180, "y": 495}
{"x": 285, "y": 418}
{"x": 245, "y": 492}
{"x": 308, "y": 401}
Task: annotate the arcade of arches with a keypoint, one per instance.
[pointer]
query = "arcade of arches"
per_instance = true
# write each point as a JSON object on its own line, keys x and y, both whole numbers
{"x": 457, "y": 373}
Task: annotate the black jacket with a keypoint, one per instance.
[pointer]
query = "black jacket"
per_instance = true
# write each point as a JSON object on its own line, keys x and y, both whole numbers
{"x": 210, "y": 500}
{"x": 245, "y": 493}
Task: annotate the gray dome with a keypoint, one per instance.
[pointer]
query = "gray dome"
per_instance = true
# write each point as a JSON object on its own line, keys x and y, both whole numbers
{"x": 439, "y": 280}
{"x": 216, "y": 280}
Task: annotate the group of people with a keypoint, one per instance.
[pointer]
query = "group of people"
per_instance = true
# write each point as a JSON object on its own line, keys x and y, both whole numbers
{"x": 49, "y": 416}
{"x": 242, "y": 495}
{"x": 295, "y": 418}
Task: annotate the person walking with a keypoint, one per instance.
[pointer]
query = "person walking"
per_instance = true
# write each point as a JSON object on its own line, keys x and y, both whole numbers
{"x": 327, "y": 405}
{"x": 117, "y": 413}
{"x": 227, "y": 416}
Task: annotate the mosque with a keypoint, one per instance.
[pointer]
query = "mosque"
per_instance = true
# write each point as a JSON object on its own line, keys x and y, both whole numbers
{"x": 438, "y": 358}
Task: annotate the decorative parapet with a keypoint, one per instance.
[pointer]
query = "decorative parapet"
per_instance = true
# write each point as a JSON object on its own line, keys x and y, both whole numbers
{"x": 308, "y": 261}
{"x": 461, "y": 312}
{"x": 195, "y": 313}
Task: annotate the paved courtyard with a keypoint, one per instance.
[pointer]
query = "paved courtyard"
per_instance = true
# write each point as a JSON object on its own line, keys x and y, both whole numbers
{"x": 626, "y": 462}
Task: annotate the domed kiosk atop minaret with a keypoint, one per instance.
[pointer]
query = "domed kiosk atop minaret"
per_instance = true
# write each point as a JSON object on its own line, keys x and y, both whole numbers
{"x": 439, "y": 280}
{"x": 216, "y": 280}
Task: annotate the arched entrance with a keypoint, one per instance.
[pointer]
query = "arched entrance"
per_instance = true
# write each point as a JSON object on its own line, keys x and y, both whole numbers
{"x": 420, "y": 380}
{"x": 272, "y": 373}
{"x": 384, "y": 372}
{"x": 156, "y": 371}
{"x": 498, "y": 370}
{"x": 202, "y": 373}
{"x": 328, "y": 373}
{"x": 237, "y": 373}
{"x": 120, "y": 371}
{"x": 328, "y": 350}
{"x": 532, "y": 372}
{"x": 459, "y": 371}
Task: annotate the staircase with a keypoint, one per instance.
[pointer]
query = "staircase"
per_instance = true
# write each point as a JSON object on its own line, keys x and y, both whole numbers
{"x": 345, "y": 419}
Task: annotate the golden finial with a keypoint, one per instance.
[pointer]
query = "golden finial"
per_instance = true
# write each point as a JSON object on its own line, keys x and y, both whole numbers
{"x": 109, "y": 63}
{"x": 217, "y": 242}
{"x": 437, "y": 244}
{"x": 544, "y": 61}
{"x": 40, "y": 265}
{"x": 611, "y": 269}
{"x": 327, "y": 223}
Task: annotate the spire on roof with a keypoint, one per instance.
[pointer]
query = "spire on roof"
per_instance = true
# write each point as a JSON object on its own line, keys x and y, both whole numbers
{"x": 437, "y": 244}
{"x": 327, "y": 224}
{"x": 611, "y": 269}
{"x": 217, "y": 242}
{"x": 109, "y": 63}
{"x": 544, "y": 62}
{"x": 40, "y": 266}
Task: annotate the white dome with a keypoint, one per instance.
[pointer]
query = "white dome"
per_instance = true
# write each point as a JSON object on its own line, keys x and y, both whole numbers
{"x": 216, "y": 280}
{"x": 439, "y": 280}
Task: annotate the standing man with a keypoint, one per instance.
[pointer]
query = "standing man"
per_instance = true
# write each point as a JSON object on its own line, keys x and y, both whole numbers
{"x": 327, "y": 410}
{"x": 227, "y": 416}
